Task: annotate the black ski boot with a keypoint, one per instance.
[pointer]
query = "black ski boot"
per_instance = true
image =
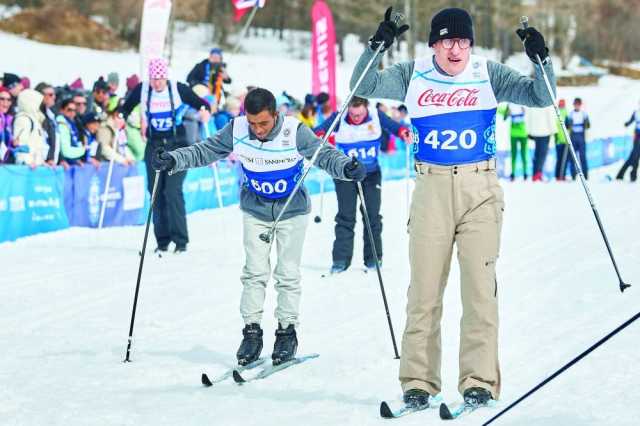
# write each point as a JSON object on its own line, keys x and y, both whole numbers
{"x": 476, "y": 397}
{"x": 286, "y": 344}
{"x": 416, "y": 398}
{"x": 251, "y": 345}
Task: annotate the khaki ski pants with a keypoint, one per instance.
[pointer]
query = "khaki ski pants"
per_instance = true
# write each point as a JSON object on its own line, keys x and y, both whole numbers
{"x": 463, "y": 205}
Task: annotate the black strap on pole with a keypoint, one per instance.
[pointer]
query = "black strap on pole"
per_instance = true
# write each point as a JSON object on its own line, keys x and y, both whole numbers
{"x": 365, "y": 216}
{"x": 565, "y": 367}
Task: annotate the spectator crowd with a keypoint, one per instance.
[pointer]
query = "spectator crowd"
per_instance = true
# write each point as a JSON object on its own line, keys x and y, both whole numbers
{"x": 74, "y": 125}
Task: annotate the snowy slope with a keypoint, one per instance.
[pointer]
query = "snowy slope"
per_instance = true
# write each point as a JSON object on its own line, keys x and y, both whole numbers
{"x": 66, "y": 303}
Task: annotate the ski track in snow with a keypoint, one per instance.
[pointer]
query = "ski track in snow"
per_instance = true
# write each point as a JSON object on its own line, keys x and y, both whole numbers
{"x": 67, "y": 302}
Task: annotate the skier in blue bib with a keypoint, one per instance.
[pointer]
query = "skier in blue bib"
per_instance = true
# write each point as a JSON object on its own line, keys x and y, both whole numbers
{"x": 452, "y": 97}
{"x": 271, "y": 148}
{"x": 577, "y": 121}
{"x": 359, "y": 135}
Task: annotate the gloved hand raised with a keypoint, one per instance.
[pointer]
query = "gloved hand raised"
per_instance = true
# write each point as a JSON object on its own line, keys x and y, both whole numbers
{"x": 533, "y": 44}
{"x": 387, "y": 32}
{"x": 355, "y": 171}
{"x": 161, "y": 160}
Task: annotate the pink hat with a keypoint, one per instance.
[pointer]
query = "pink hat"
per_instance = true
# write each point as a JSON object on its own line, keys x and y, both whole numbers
{"x": 77, "y": 84}
{"x": 158, "y": 68}
{"x": 132, "y": 81}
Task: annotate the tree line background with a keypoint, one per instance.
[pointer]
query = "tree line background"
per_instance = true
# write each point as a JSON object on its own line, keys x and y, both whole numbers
{"x": 594, "y": 29}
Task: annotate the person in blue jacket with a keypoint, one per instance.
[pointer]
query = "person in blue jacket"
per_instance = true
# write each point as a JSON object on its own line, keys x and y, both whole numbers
{"x": 359, "y": 135}
{"x": 577, "y": 121}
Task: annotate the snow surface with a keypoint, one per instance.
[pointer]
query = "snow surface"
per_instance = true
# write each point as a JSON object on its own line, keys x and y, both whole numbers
{"x": 67, "y": 298}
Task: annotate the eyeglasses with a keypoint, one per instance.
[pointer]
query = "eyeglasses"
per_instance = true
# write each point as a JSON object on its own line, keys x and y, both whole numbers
{"x": 70, "y": 109}
{"x": 81, "y": 103}
{"x": 463, "y": 43}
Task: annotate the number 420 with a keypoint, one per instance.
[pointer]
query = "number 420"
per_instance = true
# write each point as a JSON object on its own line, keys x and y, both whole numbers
{"x": 466, "y": 139}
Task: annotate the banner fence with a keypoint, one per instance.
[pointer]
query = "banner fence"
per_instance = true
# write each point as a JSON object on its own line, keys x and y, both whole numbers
{"x": 43, "y": 199}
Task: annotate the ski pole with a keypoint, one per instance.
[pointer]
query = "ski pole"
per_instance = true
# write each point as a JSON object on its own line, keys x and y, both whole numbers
{"x": 268, "y": 235}
{"x": 105, "y": 196}
{"x": 566, "y": 367}
{"x": 525, "y": 22}
{"x": 154, "y": 188}
{"x": 318, "y": 217}
{"x": 367, "y": 224}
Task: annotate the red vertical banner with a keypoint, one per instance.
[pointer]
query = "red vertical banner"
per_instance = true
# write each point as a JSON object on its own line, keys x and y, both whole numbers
{"x": 323, "y": 51}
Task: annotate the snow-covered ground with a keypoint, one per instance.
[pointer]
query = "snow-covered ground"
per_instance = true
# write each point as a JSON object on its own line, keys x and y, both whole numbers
{"x": 66, "y": 304}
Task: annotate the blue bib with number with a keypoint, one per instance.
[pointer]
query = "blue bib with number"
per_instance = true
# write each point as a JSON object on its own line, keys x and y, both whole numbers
{"x": 453, "y": 117}
{"x": 361, "y": 141}
{"x": 577, "y": 119}
{"x": 271, "y": 168}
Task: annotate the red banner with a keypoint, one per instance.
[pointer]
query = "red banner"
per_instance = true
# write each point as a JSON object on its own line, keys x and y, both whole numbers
{"x": 241, "y": 7}
{"x": 323, "y": 51}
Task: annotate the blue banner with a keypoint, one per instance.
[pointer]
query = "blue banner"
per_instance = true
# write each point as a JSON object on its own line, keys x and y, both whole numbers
{"x": 200, "y": 188}
{"x": 41, "y": 200}
{"x": 600, "y": 153}
{"x": 125, "y": 200}
{"x": 31, "y": 201}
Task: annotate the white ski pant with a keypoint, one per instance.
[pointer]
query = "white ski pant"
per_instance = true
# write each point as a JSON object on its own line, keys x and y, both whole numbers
{"x": 288, "y": 239}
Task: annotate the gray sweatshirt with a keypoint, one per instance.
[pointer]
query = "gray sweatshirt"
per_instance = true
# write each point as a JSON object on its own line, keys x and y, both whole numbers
{"x": 508, "y": 84}
{"x": 220, "y": 145}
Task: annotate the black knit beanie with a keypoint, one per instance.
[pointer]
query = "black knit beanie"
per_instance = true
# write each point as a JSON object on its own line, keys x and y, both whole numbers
{"x": 451, "y": 23}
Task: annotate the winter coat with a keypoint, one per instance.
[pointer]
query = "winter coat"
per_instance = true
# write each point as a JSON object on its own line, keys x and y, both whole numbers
{"x": 28, "y": 131}
{"x": 134, "y": 134}
{"x": 108, "y": 137}
{"x": 541, "y": 121}
{"x": 72, "y": 147}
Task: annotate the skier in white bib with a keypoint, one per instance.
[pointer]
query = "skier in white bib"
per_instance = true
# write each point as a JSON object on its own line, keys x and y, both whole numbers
{"x": 271, "y": 148}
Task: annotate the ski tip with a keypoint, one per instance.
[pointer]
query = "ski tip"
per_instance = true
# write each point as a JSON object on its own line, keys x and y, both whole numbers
{"x": 385, "y": 411}
{"x": 445, "y": 413}
{"x": 205, "y": 380}
{"x": 238, "y": 378}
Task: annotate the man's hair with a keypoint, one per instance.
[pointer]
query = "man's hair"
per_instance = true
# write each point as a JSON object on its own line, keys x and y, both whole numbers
{"x": 357, "y": 101}
{"x": 403, "y": 109}
{"x": 65, "y": 103}
{"x": 41, "y": 87}
{"x": 577, "y": 101}
{"x": 258, "y": 100}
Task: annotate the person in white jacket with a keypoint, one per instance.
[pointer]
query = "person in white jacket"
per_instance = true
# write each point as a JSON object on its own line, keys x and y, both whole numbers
{"x": 29, "y": 139}
{"x": 541, "y": 124}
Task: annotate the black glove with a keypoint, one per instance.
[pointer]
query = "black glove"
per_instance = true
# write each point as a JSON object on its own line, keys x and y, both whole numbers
{"x": 387, "y": 32}
{"x": 533, "y": 44}
{"x": 355, "y": 171}
{"x": 162, "y": 160}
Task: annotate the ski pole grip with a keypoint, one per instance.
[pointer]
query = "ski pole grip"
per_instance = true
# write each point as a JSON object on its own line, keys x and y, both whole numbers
{"x": 397, "y": 17}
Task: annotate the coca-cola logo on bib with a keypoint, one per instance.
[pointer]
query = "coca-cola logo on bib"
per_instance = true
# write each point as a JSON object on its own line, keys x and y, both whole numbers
{"x": 457, "y": 98}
